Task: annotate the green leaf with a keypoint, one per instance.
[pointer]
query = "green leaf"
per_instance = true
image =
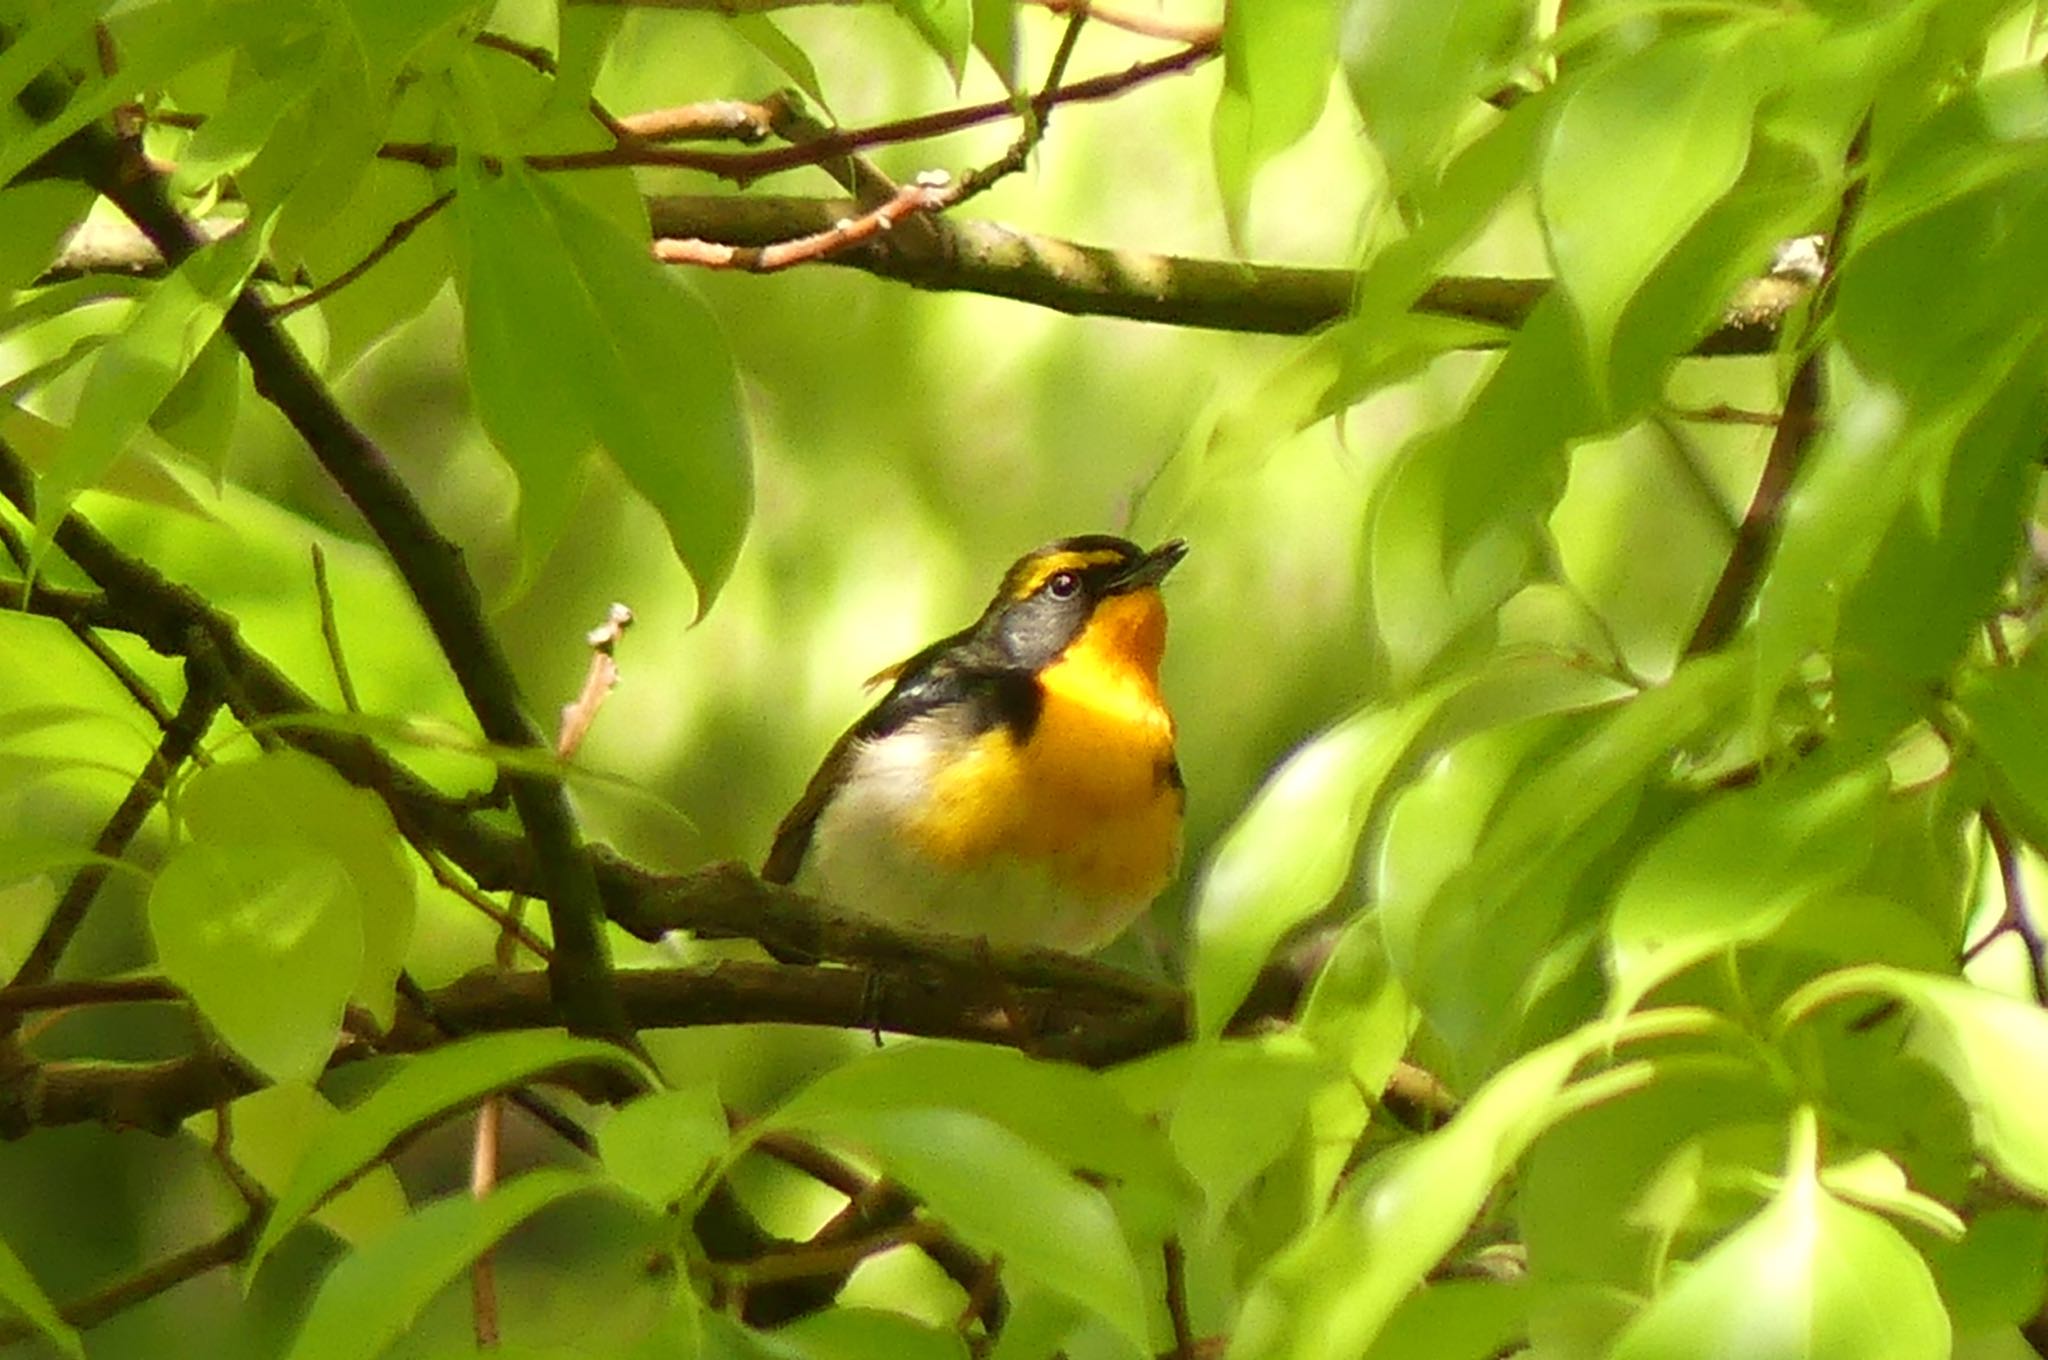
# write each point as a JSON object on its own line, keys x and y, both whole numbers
{"x": 1997, "y": 1275}
{"x": 35, "y": 219}
{"x": 422, "y": 1090}
{"x": 238, "y": 132}
{"x": 1809, "y": 1276}
{"x": 1457, "y": 1320}
{"x": 1278, "y": 56}
{"x": 2008, "y": 712}
{"x": 1607, "y": 1195}
{"x": 575, "y": 335}
{"x": 267, "y": 940}
{"x": 1244, "y": 1106}
{"x": 951, "y": 1120}
{"x": 995, "y": 37}
{"x": 1457, "y": 525}
{"x": 373, "y": 1295}
{"x": 1730, "y": 873}
{"x": 660, "y": 1146}
{"x": 273, "y": 1127}
{"x": 389, "y": 32}
{"x": 947, "y": 27}
{"x": 20, "y": 1292}
{"x": 1001, "y": 1193}
{"x": 1416, "y": 68}
{"x": 771, "y": 42}
{"x": 155, "y": 44}
{"x": 291, "y": 801}
{"x": 1991, "y": 1048}
{"x": 1475, "y": 938}
{"x": 138, "y": 368}
{"x": 198, "y": 415}
{"x": 1334, "y": 1288}
{"x": 1356, "y": 1014}
{"x": 1677, "y": 115}
{"x": 37, "y": 46}
{"x": 587, "y": 32}
{"x": 1290, "y": 852}
{"x": 863, "y": 1333}
{"x": 1068, "y": 1113}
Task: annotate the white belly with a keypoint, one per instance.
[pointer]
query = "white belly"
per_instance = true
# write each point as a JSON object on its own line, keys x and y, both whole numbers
{"x": 863, "y": 860}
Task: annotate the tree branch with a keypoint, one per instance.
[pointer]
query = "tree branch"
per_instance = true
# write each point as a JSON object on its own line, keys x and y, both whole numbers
{"x": 102, "y": 1304}
{"x": 187, "y": 726}
{"x": 978, "y": 256}
{"x": 1757, "y": 536}
{"x": 431, "y": 567}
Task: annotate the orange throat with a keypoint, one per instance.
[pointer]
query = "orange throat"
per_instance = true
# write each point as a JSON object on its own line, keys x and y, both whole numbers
{"x": 1091, "y": 795}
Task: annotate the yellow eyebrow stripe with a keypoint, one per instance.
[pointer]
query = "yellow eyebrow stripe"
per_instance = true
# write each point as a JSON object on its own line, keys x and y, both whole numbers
{"x": 1046, "y": 567}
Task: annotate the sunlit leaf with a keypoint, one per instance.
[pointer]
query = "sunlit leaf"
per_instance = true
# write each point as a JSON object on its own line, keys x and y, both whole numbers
{"x": 267, "y": 940}
{"x": 138, "y": 368}
{"x": 1417, "y": 67}
{"x": 1334, "y": 1288}
{"x": 1998, "y": 1274}
{"x": 271, "y": 1130}
{"x": 1992, "y": 1048}
{"x": 1291, "y": 850}
{"x": 1067, "y": 1113}
{"x": 576, "y": 336}
{"x": 1044, "y": 1222}
{"x": 1245, "y": 1104}
{"x": 1640, "y": 151}
{"x": 860, "y": 1333}
{"x": 34, "y": 220}
{"x": 1278, "y": 56}
{"x": 1731, "y": 872}
{"x": 947, "y": 27}
{"x": 1808, "y": 1276}
{"x": 423, "y": 1089}
{"x": 995, "y": 37}
{"x": 291, "y": 802}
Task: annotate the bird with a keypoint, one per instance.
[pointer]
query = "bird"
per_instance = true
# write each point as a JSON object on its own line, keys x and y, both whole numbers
{"x": 1018, "y": 783}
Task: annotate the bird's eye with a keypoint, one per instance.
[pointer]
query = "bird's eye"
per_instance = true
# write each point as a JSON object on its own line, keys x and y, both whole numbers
{"x": 1063, "y": 585}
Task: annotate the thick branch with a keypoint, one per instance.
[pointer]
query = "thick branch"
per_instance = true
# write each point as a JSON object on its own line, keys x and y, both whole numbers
{"x": 978, "y": 256}
{"x": 1079, "y": 1024}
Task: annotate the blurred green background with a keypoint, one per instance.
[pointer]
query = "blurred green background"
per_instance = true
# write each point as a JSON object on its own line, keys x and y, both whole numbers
{"x": 908, "y": 447}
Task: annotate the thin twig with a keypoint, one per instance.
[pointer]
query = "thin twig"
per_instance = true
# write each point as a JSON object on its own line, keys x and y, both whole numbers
{"x": 806, "y": 1262}
{"x": 1721, "y": 413}
{"x": 709, "y": 120}
{"x": 543, "y": 61}
{"x": 2015, "y": 919}
{"x": 1805, "y": 397}
{"x": 483, "y": 1178}
{"x": 330, "y": 634}
{"x": 598, "y": 681}
{"x": 1175, "y": 1262}
{"x": 446, "y": 875}
{"x": 399, "y": 234}
{"x": 744, "y": 167}
{"x": 927, "y": 193}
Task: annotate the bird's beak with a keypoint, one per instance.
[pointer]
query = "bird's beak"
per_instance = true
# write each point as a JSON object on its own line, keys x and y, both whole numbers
{"x": 1151, "y": 569}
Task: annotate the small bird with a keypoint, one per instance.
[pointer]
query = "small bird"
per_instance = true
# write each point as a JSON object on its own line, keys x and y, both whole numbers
{"x": 1018, "y": 781}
